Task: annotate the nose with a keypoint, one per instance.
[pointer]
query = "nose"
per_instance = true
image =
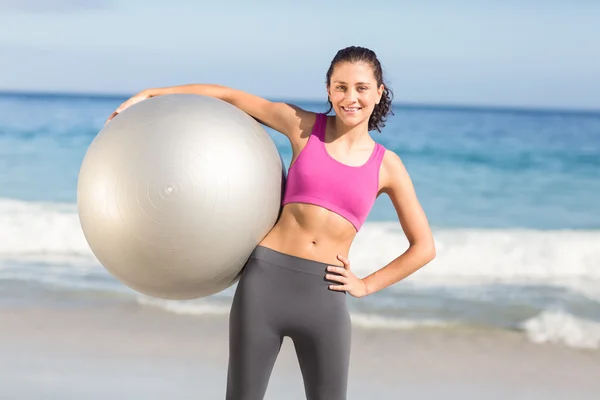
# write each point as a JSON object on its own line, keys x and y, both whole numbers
{"x": 350, "y": 95}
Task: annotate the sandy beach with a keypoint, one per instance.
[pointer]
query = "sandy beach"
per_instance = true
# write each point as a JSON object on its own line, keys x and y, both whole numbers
{"x": 58, "y": 349}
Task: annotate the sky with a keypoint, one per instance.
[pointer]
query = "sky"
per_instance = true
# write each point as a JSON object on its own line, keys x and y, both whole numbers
{"x": 528, "y": 53}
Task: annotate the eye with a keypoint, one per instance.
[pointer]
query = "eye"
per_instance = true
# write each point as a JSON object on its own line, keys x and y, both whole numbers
{"x": 339, "y": 87}
{"x": 361, "y": 88}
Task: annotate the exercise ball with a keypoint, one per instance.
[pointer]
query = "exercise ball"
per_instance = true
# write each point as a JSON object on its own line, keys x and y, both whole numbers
{"x": 175, "y": 192}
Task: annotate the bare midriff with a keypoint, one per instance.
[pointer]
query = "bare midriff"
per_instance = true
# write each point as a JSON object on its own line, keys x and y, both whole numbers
{"x": 311, "y": 232}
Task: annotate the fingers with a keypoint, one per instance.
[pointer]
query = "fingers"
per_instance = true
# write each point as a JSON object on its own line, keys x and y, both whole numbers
{"x": 129, "y": 102}
{"x": 337, "y": 278}
{"x": 340, "y": 276}
{"x": 117, "y": 111}
{"x": 111, "y": 117}
{"x": 339, "y": 270}
{"x": 122, "y": 107}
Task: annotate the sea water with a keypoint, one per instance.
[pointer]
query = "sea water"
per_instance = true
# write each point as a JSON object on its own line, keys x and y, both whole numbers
{"x": 513, "y": 197}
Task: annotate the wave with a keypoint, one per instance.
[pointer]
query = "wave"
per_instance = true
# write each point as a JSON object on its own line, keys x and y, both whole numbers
{"x": 50, "y": 232}
{"x": 557, "y": 326}
{"x": 363, "y": 320}
{"x": 549, "y": 326}
{"x": 197, "y": 307}
{"x": 487, "y": 255}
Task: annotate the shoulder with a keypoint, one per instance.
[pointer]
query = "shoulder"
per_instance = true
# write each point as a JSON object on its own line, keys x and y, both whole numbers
{"x": 392, "y": 172}
{"x": 391, "y": 161}
{"x": 301, "y": 122}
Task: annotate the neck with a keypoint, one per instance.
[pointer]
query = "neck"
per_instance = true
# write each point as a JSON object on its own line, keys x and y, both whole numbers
{"x": 351, "y": 134}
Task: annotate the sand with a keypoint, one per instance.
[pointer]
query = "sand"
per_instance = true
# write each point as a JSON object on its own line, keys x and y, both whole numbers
{"x": 119, "y": 350}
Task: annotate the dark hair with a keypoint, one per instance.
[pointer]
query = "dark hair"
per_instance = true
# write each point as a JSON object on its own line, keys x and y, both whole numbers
{"x": 357, "y": 54}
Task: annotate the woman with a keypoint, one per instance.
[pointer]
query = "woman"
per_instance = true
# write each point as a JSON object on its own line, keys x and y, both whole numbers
{"x": 295, "y": 282}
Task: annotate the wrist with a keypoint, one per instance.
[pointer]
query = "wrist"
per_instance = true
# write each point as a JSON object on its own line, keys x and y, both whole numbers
{"x": 367, "y": 288}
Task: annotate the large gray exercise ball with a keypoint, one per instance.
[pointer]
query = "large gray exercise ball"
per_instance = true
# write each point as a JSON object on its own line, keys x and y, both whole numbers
{"x": 176, "y": 191}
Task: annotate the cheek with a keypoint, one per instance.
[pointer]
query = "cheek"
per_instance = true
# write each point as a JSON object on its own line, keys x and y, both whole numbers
{"x": 369, "y": 100}
{"x": 336, "y": 97}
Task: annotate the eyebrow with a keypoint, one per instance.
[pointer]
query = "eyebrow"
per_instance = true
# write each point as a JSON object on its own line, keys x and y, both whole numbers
{"x": 358, "y": 83}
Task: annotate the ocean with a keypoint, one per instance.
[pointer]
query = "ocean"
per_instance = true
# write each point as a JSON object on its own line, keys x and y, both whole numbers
{"x": 513, "y": 197}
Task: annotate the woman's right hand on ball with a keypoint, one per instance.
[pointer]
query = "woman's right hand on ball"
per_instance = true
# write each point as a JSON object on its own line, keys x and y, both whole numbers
{"x": 143, "y": 95}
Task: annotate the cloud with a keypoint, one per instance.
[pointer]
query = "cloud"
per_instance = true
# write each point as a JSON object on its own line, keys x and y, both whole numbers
{"x": 54, "y": 6}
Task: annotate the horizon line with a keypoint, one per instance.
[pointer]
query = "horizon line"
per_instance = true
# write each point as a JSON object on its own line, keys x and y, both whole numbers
{"x": 408, "y": 105}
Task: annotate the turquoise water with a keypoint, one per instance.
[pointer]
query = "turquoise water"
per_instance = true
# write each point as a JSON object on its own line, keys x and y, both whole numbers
{"x": 513, "y": 197}
{"x": 470, "y": 167}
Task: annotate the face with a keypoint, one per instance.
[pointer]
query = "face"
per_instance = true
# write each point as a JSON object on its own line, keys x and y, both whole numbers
{"x": 353, "y": 91}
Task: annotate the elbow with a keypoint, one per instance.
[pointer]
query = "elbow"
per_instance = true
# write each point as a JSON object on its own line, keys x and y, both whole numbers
{"x": 428, "y": 252}
{"x": 431, "y": 253}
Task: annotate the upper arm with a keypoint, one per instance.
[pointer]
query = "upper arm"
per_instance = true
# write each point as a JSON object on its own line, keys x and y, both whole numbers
{"x": 398, "y": 185}
{"x": 286, "y": 118}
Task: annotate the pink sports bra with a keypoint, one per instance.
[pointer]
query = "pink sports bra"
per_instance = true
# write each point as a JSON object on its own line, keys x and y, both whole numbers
{"x": 317, "y": 178}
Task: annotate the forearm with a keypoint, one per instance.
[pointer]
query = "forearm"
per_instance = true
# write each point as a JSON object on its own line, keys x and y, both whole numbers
{"x": 210, "y": 90}
{"x": 257, "y": 107}
{"x": 406, "y": 264}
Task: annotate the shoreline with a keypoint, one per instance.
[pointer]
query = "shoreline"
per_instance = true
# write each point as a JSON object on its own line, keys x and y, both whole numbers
{"x": 128, "y": 350}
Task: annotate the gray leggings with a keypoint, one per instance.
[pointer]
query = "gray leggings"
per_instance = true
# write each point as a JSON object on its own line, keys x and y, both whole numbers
{"x": 282, "y": 295}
